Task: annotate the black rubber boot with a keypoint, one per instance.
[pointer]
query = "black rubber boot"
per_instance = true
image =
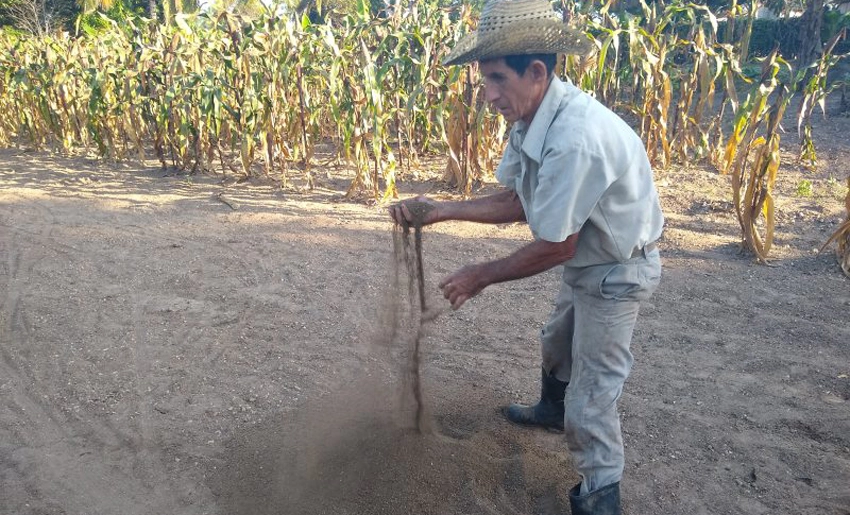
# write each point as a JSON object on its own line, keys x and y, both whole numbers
{"x": 605, "y": 501}
{"x": 548, "y": 412}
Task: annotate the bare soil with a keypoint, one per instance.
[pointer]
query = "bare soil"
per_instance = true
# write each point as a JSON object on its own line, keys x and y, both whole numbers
{"x": 186, "y": 345}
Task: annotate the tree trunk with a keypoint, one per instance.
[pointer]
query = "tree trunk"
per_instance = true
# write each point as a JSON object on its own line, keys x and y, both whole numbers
{"x": 152, "y": 10}
{"x": 748, "y": 30}
{"x": 810, "y": 26}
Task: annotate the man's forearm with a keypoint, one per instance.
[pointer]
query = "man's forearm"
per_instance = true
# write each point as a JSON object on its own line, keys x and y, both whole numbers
{"x": 503, "y": 207}
{"x": 532, "y": 259}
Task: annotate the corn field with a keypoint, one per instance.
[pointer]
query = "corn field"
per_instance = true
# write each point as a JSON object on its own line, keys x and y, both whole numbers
{"x": 245, "y": 96}
{"x": 252, "y": 96}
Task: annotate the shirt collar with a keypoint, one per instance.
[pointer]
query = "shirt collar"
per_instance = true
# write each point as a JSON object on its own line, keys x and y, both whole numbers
{"x": 535, "y": 132}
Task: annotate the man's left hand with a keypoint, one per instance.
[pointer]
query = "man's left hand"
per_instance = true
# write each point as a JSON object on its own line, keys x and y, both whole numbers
{"x": 463, "y": 285}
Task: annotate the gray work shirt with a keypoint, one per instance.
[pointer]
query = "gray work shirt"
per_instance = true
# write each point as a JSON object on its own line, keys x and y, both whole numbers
{"x": 578, "y": 167}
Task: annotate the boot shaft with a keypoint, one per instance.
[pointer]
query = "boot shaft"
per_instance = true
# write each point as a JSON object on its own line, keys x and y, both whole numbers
{"x": 605, "y": 501}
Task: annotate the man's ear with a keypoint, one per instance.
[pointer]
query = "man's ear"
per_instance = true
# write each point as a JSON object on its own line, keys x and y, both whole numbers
{"x": 538, "y": 70}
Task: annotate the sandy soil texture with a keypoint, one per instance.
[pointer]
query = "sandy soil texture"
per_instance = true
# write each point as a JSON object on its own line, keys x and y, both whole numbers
{"x": 179, "y": 345}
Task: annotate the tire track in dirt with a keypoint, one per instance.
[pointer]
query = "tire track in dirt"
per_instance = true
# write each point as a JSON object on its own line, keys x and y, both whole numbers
{"x": 31, "y": 412}
{"x": 140, "y": 435}
{"x": 71, "y": 460}
{"x": 8, "y": 306}
{"x": 180, "y": 336}
{"x": 14, "y": 327}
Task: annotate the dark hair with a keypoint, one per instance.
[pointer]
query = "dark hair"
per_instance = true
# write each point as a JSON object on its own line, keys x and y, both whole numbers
{"x": 520, "y": 63}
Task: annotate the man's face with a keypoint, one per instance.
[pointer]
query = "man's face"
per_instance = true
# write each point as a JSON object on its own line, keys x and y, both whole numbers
{"x": 514, "y": 96}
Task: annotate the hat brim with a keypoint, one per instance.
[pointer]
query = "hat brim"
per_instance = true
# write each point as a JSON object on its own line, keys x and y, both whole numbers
{"x": 520, "y": 38}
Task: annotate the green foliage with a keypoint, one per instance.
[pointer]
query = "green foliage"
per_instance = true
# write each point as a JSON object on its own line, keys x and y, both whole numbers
{"x": 767, "y": 34}
{"x": 834, "y": 21}
{"x": 836, "y": 189}
{"x": 6, "y": 21}
{"x": 93, "y": 23}
{"x": 804, "y": 188}
{"x": 753, "y": 69}
{"x": 786, "y": 32}
{"x": 815, "y": 88}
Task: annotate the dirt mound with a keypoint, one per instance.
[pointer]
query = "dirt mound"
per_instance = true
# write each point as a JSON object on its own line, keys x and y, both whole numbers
{"x": 348, "y": 456}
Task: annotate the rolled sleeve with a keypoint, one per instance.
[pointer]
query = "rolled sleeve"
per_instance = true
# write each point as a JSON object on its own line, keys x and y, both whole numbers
{"x": 510, "y": 167}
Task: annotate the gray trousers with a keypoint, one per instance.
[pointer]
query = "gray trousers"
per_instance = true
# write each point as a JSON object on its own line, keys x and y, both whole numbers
{"x": 586, "y": 342}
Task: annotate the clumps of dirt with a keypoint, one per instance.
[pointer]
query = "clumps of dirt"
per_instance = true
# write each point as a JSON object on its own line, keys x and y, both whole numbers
{"x": 418, "y": 210}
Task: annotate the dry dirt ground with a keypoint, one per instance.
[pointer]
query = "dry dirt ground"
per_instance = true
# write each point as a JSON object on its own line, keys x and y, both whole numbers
{"x": 164, "y": 353}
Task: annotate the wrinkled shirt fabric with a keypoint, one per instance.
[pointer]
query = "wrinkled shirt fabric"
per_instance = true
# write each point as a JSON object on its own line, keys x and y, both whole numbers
{"x": 578, "y": 167}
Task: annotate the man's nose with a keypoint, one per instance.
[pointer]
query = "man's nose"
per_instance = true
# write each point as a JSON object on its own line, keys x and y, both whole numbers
{"x": 491, "y": 94}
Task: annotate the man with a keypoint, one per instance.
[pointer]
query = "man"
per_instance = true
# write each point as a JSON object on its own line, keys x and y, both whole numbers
{"x": 581, "y": 179}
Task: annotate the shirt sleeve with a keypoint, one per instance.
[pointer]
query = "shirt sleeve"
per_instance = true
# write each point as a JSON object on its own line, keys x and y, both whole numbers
{"x": 510, "y": 167}
{"x": 570, "y": 184}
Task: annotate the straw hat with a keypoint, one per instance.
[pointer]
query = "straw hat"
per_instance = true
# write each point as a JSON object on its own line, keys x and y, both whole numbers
{"x": 518, "y": 27}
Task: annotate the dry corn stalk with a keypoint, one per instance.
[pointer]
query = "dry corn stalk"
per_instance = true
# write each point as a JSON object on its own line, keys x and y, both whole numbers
{"x": 842, "y": 238}
{"x": 753, "y": 168}
{"x": 240, "y": 95}
{"x": 220, "y": 92}
{"x": 815, "y": 92}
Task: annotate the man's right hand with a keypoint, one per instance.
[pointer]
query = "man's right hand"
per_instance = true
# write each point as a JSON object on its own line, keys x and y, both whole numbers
{"x": 409, "y": 210}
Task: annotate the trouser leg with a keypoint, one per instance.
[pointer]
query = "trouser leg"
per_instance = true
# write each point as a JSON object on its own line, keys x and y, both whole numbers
{"x": 601, "y": 363}
{"x": 602, "y": 501}
{"x": 605, "y": 304}
{"x": 556, "y": 337}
